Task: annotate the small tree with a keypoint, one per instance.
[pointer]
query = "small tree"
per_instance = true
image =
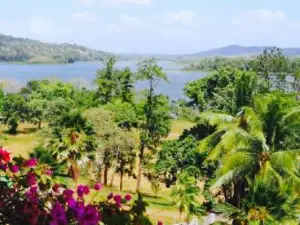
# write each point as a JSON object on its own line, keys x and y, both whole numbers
{"x": 185, "y": 194}
{"x": 155, "y": 116}
{"x": 106, "y": 81}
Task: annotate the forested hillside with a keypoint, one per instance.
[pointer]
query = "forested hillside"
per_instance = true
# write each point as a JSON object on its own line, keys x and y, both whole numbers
{"x": 26, "y": 50}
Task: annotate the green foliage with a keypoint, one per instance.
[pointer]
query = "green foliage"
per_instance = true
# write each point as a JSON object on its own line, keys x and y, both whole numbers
{"x": 185, "y": 194}
{"x": 179, "y": 156}
{"x": 20, "y": 49}
{"x": 124, "y": 113}
{"x": 226, "y": 90}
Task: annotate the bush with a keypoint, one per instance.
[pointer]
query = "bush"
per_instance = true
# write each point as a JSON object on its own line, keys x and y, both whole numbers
{"x": 12, "y": 125}
{"x": 29, "y": 196}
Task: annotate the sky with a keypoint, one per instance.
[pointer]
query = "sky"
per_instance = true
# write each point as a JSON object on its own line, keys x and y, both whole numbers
{"x": 154, "y": 26}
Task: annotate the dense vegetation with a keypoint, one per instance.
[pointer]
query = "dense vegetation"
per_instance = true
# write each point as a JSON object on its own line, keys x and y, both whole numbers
{"x": 26, "y": 50}
{"x": 240, "y": 160}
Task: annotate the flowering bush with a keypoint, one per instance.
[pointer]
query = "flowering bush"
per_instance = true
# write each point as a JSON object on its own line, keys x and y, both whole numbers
{"x": 29, "y": 196}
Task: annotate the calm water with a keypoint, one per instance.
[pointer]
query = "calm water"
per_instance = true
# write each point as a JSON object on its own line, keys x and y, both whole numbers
{"x": 83, "y": 74}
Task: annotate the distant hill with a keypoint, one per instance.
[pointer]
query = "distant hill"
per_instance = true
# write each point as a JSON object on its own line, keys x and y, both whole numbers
{"x": 237, "y": 50}
{"x": 32, "y": 51}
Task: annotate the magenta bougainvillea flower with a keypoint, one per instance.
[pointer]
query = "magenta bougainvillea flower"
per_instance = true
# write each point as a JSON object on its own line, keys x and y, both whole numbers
{"x": 31, "y": 179}
{"x": 30, "y": 163}
{"x": 14, "y": 169}
{"x": 82, "y": 190}
{"x": 68, "y": 194}
{"x": 98, "y": 187}
{"x": 58, "y": 215}
{"x": 128, "y": 197}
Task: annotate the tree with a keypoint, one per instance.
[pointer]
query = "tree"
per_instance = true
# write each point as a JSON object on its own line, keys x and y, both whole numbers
{"x": 178, "y": 156}
{"x": 106, "y": 81}
{"x": 265, "y": 205}
{"x": 13, "y": 110}
{"x": 185, "y": 194}
{"x": 156, "y": 120}
{"x": 124, "y": 113}
{"x": 271, "y": 63}
{"x": 241, "y": 149}
{"x": 225, "y": 90}
{"x": 126, "y": 85}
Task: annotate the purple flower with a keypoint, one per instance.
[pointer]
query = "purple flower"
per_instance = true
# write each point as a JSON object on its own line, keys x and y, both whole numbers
{"x": 68, "y": 194}
{"x": 58, "y": 215}
{"x": 91, "y": 216}
{"x": 79, "y": 210}
{"x": 98, "y": 187}
{"x": 82, "y": 190}
{"x": 30, "y": 163}
{"x": 14, "y": 169}
{"x": 110, "y": 196}
{"x": 3, "y": 167}
{"x": 128, "y": 197}
{"x": 71, "y": 203}
{"x": 30, "y": 179}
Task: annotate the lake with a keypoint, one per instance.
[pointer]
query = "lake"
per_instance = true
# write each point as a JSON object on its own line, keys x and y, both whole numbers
{"x": 83, "y": 73}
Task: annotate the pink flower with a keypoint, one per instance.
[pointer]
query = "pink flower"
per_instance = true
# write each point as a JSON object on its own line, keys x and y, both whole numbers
{"x": 159, "y": 223}
{"x": 14, "y": 169}
{"x": 68, "y": 194}
{"x": 49, "y": 172}
{"x": 30, "y": 179}
{"x": 118, "y": 200}
{"x": 30, "y": 163}
{"x": 98, "y": 187}
{"x": 71, "y": 203}
{"x": 91, "y": 216}
{"x": 4, "y": 155}
{"x": 128, "y": 197}
{"x": 82, "y": 190}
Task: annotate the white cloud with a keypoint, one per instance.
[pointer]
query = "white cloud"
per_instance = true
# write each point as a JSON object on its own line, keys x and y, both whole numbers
{"x": 112, "y": 28}
{"x": 40, "y": 26}
{"x": 179, "y": 17}
{"x": 87, "y": 2}
{"x": 84, "y": 17}
{"x": 133, "y": 2}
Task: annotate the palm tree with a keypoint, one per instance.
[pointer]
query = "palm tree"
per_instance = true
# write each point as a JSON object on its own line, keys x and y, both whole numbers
{"x": 242, "y": 150}
{"x": 265, "y": 205}
{"x": 72, "y": 148}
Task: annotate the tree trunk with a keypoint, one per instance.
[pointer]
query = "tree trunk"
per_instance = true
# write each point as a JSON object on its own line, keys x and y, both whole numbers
{"x": 105, "y": 175}
{"x": 139, "y": 175}
{"x": 237, "y": 194}
{"x": 112, "y": 179}
{"x": 40, "y": 124}
{"x": 121, "y": 178}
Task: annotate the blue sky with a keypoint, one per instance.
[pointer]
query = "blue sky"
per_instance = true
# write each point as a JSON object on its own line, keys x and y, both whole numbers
{"x": 154, "y": 26}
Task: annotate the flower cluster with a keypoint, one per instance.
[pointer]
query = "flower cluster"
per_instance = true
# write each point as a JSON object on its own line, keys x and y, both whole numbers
{"x": 25, "y": 191}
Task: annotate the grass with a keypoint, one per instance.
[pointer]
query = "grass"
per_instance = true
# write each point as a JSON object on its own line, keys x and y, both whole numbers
{"x": 160, "y": 207}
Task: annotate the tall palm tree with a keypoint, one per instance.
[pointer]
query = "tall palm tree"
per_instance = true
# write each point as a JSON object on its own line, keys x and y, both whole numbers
{"x": 241, "y": 148}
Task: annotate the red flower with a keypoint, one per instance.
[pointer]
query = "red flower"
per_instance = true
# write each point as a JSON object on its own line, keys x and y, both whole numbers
{"x": 118, "y": 200}
{"x": 128, "y": 197}
{"x": 30, "y": 163}
{"x": 68, "y": 194}
{"x": 159, "y": 223}
{"x": 110, "y": 196}
{"x": 49, "y": 172}
{"x": 55, "y": 188}
{"x": 4, "y": 155}
{"x": 82, "y": 190}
